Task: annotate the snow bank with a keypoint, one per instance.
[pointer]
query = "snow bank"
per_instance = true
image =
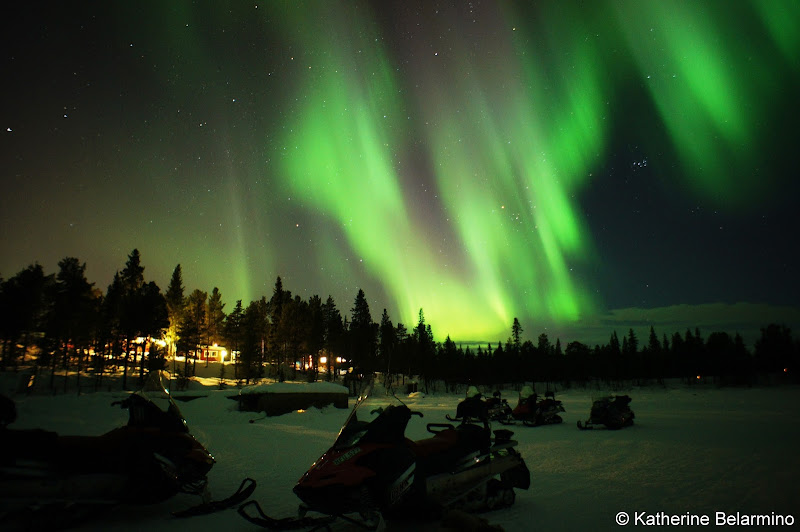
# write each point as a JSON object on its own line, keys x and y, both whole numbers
{"x": 280, "y": 398}
{"x": 294, "y": 387}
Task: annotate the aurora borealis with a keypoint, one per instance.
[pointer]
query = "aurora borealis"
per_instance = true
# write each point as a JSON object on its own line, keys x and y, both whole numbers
{"x": 559, "y": 162}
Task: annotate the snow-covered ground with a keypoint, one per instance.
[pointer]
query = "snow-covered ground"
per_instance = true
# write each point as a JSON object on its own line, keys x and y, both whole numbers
{"x": 692, "y": 452}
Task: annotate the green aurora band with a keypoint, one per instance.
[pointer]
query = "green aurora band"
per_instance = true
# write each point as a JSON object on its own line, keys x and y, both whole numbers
{"x": 711, "y": 71}
{"x": 509, "y": 137}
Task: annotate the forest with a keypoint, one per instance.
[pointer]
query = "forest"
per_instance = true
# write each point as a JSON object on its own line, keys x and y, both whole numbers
{"x": 63, "y": 323}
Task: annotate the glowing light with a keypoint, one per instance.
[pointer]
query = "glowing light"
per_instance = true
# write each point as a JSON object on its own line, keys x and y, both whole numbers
{"x": 497, "y": 230}
{"x": 340, "y": 160}
{"x": 708, "y": 89}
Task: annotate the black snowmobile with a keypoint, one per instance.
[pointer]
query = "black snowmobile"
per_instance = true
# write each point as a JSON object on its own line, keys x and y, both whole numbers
{"x": 613, "y": 411}
{"x": 476, "y": 409}
{"x": 374, "y": 472}
{"x": 498, "y": 409}
{"x": 50, "y": 481}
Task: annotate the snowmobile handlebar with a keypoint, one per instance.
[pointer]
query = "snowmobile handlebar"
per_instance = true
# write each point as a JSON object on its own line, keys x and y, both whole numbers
{"x": 441, "y": 426}
{"x": 127, "y": 402}
{"x": 380, "y": 410}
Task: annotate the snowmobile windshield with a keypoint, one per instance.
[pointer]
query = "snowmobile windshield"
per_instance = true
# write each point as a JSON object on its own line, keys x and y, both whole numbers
{"x": 153, "y": 406}
{"x": 375, "y": 418}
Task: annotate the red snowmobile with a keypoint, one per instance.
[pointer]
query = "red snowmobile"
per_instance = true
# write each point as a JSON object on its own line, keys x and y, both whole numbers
{"x": 373, "y": 471}
{"x": 533, "y": 412}
{"x": 50, "y": 481}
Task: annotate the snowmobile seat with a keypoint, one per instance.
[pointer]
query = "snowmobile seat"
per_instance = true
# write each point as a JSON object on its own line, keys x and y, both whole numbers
{"x": 449, "y": 447}
{"x": 441, "y": 442}
{"x": 472, "y": 408}
{"x": 622, "y": 400}
{"x": 502, "y": 434}
{"x": 474, "y": 437}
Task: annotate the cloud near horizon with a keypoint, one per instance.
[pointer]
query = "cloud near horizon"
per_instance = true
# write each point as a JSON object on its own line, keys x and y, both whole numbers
{"x": 746, "y": 319}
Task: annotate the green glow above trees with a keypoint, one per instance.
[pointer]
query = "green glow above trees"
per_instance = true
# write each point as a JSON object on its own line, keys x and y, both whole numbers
{"x": 509, "y": 145}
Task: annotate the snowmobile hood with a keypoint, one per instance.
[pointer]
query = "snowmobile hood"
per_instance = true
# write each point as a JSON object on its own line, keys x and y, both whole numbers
{"x": 375, "y": 418}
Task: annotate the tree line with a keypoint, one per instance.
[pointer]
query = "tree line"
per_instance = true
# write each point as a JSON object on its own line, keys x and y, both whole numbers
{"x": 68, "y": 324}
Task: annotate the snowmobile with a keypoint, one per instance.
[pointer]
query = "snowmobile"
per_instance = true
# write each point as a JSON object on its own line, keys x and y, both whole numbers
{"x": 475, "y": 408}
{"x": 498, "y": 409}
{"x": 613, "y": 411}
{"x": 50, "y": 481}
{"x": 374, "y": 472}
{"x": 533, "y": 412}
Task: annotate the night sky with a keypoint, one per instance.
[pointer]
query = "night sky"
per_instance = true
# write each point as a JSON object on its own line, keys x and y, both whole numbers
{"x": 583, "y": 166}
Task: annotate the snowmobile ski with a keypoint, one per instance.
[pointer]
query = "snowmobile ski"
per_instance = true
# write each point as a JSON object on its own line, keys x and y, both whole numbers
{"x": 285, "y": 523}
{"x": 246, "y": 488}
{"x": 551, "y": 420}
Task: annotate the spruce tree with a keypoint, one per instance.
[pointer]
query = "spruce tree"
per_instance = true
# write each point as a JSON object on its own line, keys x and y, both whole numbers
{"x": 175, "y": 301}
{"x": 516, "y": 333}
{"x": 362, "y": 334}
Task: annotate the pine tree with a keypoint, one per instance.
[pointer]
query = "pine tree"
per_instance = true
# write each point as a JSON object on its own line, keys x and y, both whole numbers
{"x": 192, "y": 329}
{"x": 516, "y": 333}
{"x": 278, "y": 339}
{"x": 333, "y": 334}
{"x": 155, "y": 320}
{"x": 633, "y": 343}
{"x": 255, "y": 331}
{"x": 233, "y": 331}
{"x": 277, "y": 301}
{"x": 110, "y": 311}
{"x": 403, "y": 358}
{"x": 613, "y": 345}
{"x": 216, "y": 317}
{"x": 133, "y": 274}
{"x": 652, "y": 345}
{"x": 72, "y": 317}
{"x": 175, "y": 302}
{"x": 363, "y": 335}
{"x": 315, "y": 332}
{"x": 543, "y": 346}
{"x": 293, "y": 326}
{"x": 387, "y": 343}
{"x": 131, "y": 311}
